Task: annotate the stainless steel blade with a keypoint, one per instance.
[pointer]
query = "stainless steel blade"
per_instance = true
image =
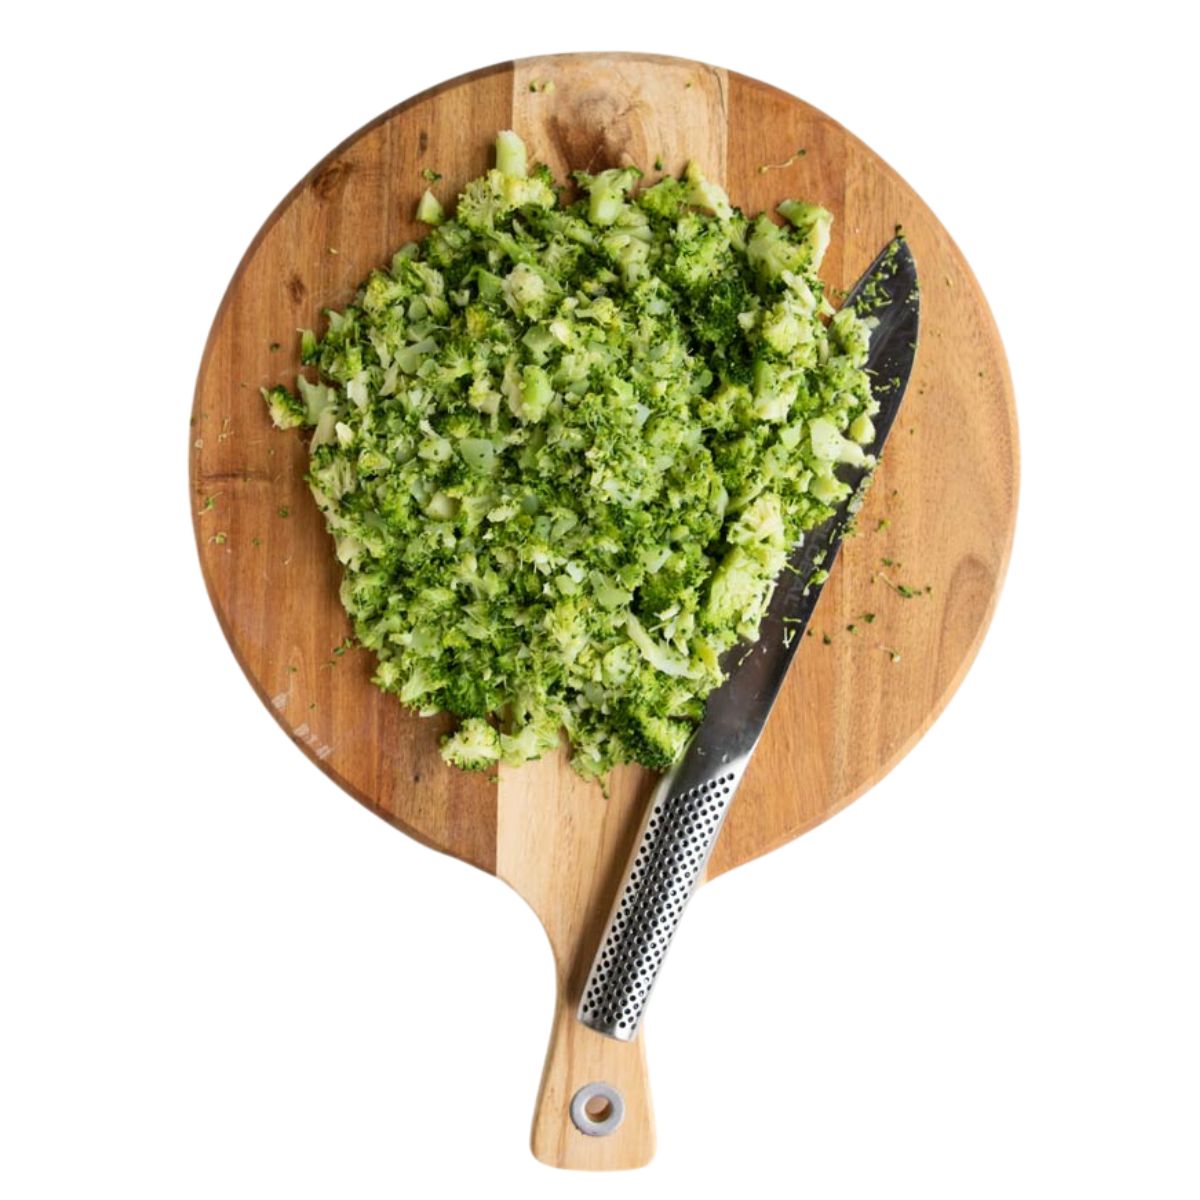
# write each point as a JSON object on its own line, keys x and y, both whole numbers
{"x": 690, "y": 804}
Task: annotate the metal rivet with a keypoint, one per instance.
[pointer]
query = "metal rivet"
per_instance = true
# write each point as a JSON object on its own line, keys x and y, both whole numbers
{"x": 597, "y": 1109}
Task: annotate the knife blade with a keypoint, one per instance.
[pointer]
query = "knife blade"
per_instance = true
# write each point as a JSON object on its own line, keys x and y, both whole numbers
{"x": 690, "y": 803}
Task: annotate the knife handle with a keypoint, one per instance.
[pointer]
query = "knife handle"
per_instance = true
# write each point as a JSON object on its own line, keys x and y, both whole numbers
{"x": 678, "y": 832}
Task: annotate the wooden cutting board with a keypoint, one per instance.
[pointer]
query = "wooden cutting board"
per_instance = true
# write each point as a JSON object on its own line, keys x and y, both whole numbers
{"x": 941, "y": 508}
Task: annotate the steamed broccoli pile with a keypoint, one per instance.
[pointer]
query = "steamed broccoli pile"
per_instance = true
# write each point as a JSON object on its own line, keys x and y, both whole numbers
{"x": 564, "y": 450}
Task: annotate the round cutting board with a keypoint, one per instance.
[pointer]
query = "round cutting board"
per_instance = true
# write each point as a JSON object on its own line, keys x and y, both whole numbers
{"x": 894, "y": 632}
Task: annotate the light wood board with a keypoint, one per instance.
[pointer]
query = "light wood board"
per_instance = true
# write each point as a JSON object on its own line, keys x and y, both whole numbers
{"x": 942, "y": 507}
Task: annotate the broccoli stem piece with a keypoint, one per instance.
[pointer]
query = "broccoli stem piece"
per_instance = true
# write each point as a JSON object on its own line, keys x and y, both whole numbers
{"x": 429, "y": 210}
{"x": 510, "y": 155}
{"x": 607, "y": 191}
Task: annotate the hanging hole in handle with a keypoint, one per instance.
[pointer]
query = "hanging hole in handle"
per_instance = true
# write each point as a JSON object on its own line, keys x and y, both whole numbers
{"x": 597, "y": 1109}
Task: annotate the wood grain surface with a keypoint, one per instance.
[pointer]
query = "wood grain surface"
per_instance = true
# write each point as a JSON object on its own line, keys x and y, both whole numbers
{"x": 941, "y": 509}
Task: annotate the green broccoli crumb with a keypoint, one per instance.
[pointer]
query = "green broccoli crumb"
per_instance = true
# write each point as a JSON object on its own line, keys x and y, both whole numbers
{"x": 903, "y": 590}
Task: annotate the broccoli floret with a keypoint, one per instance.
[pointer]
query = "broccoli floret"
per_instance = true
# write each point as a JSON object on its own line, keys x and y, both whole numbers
{"x": 667, "y": 198}
{"x": 527, "y": 292}
{"x": 759, "y": 523}
{"x": 654, "y": 741}
{"x": 606, "y": 192}
{"x": 775, "y": 391}
{"x": 852, "y": 334}
{"x": 740, "y": 589}
{"x": 519, "y": 192}
{"x": 706, "y": 194}
{"x": 716, "y": 314}
{"x": 474, "y": 746}
{"x": 531, "y": 739}
{"x": 466, "y": 694}
{"x": 287, "y": 411}
{"x": 771, "y": 252}
{"x": 504, "y": 188}
{"x": 814, "y": 222}
{"x": 702, "y": 251}
{"x": 479, "y": 204}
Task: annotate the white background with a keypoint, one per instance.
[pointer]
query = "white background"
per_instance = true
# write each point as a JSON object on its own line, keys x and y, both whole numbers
{"x": 219, "y": 976}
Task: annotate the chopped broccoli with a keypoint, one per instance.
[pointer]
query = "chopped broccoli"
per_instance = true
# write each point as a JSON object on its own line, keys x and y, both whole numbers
{"x": 813, "y": 221}
{"x": 510, "y": 155}
{"x": 772, "y": 251}
{"x": 667, "y": 198}
{"x": 429, "y": 209}
{"x": 651, "y": 739}
{"x": 564, "y": 449}
{"x": 706, "y": 194}
{"x": 475, "y": 746}
{"x": 829, "y": 446}
{"x": 607, "y": 192}
{"x": 286, "y": 410}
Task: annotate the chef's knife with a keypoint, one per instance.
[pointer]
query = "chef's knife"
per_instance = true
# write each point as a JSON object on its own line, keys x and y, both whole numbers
{"x": 690, "y": 804}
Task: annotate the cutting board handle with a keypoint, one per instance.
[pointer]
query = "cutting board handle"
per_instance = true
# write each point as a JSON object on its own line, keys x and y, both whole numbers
{"x": 597, "y": 1083}
{"x": 562, "y": 844}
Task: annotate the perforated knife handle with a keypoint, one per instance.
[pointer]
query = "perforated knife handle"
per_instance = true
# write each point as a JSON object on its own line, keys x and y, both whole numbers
{"x": 677, "y": 836}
